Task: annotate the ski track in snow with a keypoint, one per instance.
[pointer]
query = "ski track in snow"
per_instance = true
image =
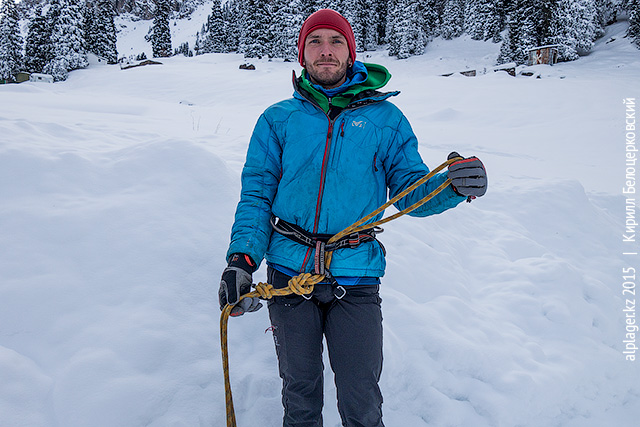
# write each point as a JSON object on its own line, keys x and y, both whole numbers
{"x": 118, "y": 191}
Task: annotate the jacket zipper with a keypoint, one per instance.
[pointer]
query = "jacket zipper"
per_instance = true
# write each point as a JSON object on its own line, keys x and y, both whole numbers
{"x": 323, "y": 177}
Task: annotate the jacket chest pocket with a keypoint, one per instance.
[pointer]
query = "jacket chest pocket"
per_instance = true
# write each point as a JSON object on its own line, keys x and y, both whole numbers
{"x": 355, "y": 146}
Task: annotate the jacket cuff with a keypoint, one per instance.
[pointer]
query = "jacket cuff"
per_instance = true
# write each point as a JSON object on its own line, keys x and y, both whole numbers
{"x": 244, "y": 262}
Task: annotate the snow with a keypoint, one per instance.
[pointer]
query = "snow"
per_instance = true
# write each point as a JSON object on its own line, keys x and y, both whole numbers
{"x": 118, "y": 190}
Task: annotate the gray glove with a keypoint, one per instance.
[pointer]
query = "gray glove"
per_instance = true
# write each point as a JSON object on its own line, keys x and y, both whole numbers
{"x": 468, "y": 176}
{"x": 236, "y": 281}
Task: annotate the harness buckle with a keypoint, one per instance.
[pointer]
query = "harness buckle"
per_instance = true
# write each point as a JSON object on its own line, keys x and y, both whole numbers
{"x": 354, "y": 240}
{"x": 342, "y": 290}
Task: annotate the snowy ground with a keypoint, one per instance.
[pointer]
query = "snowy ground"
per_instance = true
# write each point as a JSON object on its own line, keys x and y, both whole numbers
{"x": 118, "y": 190}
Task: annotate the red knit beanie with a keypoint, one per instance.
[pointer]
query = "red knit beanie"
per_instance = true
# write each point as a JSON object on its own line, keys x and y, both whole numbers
{"x": 326, "y": 18}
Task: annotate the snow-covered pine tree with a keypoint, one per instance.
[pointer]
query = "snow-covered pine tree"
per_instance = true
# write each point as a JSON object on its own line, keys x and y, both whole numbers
{"x": 67, "y": 40}
{"x": 11, "y": 58}
{"x": 106, "y": 44}
{"x": 232, "y": 14}
{"x": 362, "y": 16}
{"x": 254, "y": 41}
{"x": 183, "y": 49}
{"x": 197, "y": 46}
{"x": 100, "y": 29}
{"x": 431, "y": 11}
{"x": 284, "y": 27}
{"x": 407, "y": 37}
{"x": 38, "y": 44}
{"x": 574, "y": 28}
{"x": 390, "y": 33}
{"x": 606, "y": 11}
{"x": 521, "y": 32}
{"x": 215, "y": 39}
{"x": 495, "y": 24}
{"x": 546, "y": 21}
{"x": 474, "y": 12}
{"x": 633, "y": 9}
{"x": 483, "y": 19}
{"x": 161, "y": 33}
{"x": 307, "y": 7}
{"x": 89, "y": 28}
{"x": 381, "y": 21}
{"x": 452, "y": 19}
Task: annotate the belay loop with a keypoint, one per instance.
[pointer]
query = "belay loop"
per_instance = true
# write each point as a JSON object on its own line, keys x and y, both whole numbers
{"x": 303, "y": 284}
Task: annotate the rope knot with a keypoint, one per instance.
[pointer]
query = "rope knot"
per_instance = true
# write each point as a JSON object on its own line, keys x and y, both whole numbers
{"x": 265, "y": 290}
{"x": 303, "y": 284}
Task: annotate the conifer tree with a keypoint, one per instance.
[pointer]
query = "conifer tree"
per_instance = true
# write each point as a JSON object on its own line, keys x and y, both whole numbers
{"x": 474, "y": 17}
{"x": 38, "y": 44}
{"x": 11, "y": 58}
{"x": 633, "y": 9}
{"x": 606, "y": 12}
{"x": 307, "y": 7}
{"x": 254, "y": 41}
{"x": 430, "y": 13}
{"x": 284, "y": 27}
{"x": 495, "y": 25}
{"x": 67, "y": 39}
{"x": 362, "y": 16}
{"x": 100, "y": 29}
{"x": 232, "y": 15}
{"x": 546, "y": 27}
{"x": 381, "y": 21}
{"x": 573, "y": 28}
{"x": 407, "y": 36}
{"x": 197, "y": 46}
{"x": 521, "y": 33}
{"x": 215, "y": 40}
{"x": 106, "y": 44}
{"x": 452, "y": 19}
{"x": 161, "y": 33}
{"x": 88, "y": 25}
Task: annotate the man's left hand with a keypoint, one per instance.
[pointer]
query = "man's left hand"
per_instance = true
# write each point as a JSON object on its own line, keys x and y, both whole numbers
{"x": 468, "y": 176}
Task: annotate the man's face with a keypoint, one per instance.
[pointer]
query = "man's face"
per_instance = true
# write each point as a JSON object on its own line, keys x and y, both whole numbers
{"x": 326, "y": 57}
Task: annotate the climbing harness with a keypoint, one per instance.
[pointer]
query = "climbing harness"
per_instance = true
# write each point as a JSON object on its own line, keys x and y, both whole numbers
{"x": 320, "y": 242}
{"x": 303, "y": 284}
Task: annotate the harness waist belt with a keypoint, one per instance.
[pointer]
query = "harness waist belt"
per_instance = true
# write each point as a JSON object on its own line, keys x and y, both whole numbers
{"x": 316, "y": 240}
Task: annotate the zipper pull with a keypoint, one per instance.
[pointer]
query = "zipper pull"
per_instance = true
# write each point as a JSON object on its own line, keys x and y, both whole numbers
{"x": 342, "y": 129}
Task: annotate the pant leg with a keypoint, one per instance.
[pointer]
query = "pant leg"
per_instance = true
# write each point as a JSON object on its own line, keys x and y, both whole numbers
{"x": 353, "y": 330}
{"x": 297, "y": 331}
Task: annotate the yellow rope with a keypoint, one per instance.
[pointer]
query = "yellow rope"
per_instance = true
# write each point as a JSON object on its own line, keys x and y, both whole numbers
{"x": 303, "y": 284}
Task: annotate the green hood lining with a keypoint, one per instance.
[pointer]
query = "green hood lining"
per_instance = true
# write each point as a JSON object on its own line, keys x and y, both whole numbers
{"x": 378, "y": 77}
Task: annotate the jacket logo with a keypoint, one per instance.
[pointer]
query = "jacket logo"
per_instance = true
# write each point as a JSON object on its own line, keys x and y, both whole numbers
{"x": 359, "y": 124}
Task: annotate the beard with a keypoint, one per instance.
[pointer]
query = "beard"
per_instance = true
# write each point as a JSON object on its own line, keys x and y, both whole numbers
{"x": 328, "y": 78}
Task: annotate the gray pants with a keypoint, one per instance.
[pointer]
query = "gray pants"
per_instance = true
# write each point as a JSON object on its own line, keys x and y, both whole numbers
{"x": 353, "y": 330}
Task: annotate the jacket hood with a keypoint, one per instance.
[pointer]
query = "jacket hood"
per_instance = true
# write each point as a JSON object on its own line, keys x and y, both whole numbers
{"x": 378, "y": 77}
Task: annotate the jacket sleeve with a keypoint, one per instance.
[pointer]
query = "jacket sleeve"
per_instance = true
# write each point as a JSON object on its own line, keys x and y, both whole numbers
{"x": 404, "y": 166}
{"x": 251, "y": 230}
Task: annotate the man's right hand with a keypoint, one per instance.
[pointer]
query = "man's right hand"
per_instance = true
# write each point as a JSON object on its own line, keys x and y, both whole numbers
{"x": 236, "y": 281}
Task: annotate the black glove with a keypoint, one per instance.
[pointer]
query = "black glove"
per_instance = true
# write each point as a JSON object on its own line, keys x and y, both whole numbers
{"x": 468, "y": 176}
{"x": 236, "y": 281}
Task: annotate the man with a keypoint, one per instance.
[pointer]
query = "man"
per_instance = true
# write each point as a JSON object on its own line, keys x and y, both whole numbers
{"x": 317, "y": 163}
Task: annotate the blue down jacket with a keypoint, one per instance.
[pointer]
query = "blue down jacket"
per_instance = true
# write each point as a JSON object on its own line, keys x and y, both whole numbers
{"x": 324, "y": 174}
